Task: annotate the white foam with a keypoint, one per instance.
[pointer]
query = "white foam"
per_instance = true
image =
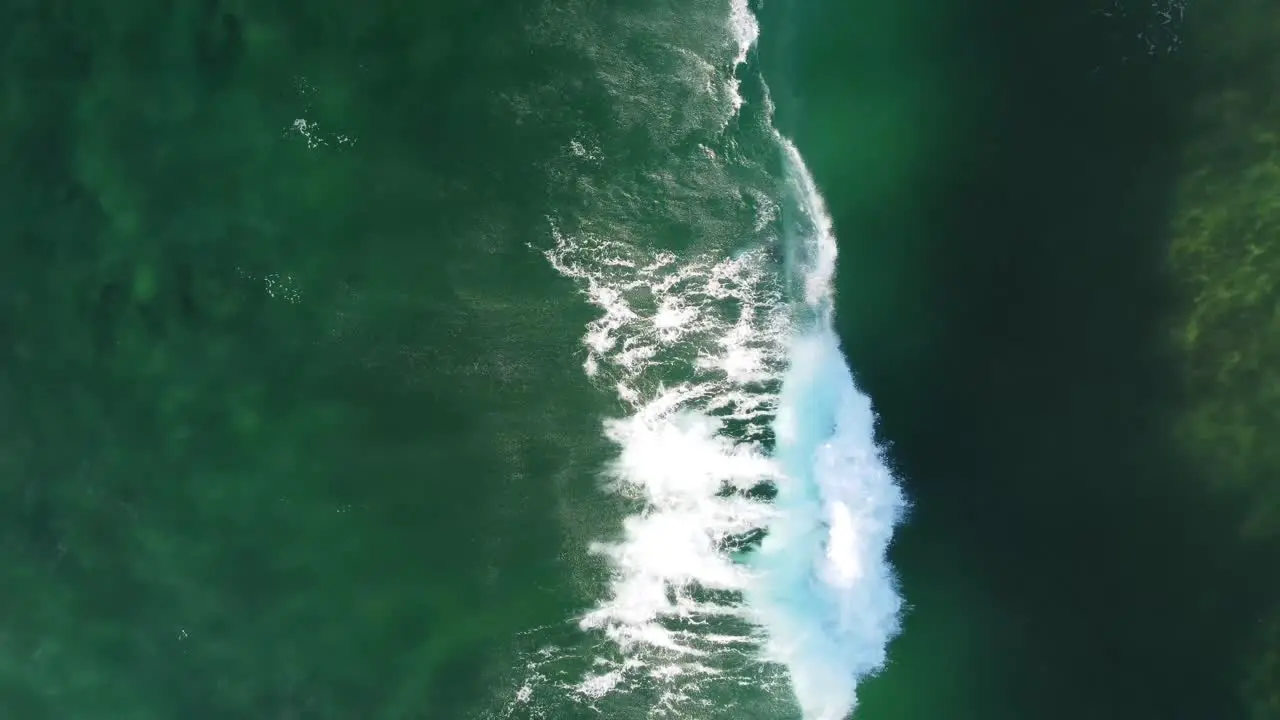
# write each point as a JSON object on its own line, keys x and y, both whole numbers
{"x": 745, "y": 31}
{"x": 827, "y": 595}
{"x": 744, "y": 28}
{"x": 673, "y": 609}
{"x": 728, "y": 384}
{"x": 678, "y": 462}
{"x": 309, "y": 130}
{"x": 816, "y": 237}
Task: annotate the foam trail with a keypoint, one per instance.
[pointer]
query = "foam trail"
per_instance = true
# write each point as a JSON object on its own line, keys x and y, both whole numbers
{"x": 730, "y": 377}
{"x": 826, "y": 593}
{"x": 745, "y": 30}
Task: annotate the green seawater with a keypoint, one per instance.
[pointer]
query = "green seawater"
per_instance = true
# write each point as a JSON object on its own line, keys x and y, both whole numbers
{"x": 293, "y": 416}
{"x": 1025, "y": 284}
{"x": 292, "y": 421}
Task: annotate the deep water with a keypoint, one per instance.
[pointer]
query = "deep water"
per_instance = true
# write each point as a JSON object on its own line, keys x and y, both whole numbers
{"x": 1006, "y": 300}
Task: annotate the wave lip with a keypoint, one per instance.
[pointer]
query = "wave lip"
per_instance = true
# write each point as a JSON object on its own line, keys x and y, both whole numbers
{"x": 825, "y": 592}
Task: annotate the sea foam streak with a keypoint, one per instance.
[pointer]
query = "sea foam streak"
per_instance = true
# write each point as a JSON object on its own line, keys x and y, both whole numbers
{"x": 825, "y": 593}
{"x": 732, "y": 383}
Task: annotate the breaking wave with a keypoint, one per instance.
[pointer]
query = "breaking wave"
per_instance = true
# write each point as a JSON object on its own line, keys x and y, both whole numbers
{"x": 751, "y": 568}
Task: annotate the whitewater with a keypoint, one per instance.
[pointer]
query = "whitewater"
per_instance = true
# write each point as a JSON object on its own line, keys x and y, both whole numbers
{"x": 750, "y": 568}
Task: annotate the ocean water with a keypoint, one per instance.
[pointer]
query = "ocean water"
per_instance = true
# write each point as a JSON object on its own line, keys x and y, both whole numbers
{"x": 426, "y": 362}
{"x": 564, "y": 359}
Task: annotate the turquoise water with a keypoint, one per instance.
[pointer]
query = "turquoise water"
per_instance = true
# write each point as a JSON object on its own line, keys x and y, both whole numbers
{"x": 522, "y": 360}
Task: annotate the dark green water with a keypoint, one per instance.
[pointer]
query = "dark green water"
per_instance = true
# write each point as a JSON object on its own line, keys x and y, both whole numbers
{"x": 293, "y": 422}
{"x": 1066, "y": 557}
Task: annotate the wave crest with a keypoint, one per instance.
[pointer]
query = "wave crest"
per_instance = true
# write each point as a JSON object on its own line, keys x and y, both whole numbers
{"x": 760, "y": 509}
